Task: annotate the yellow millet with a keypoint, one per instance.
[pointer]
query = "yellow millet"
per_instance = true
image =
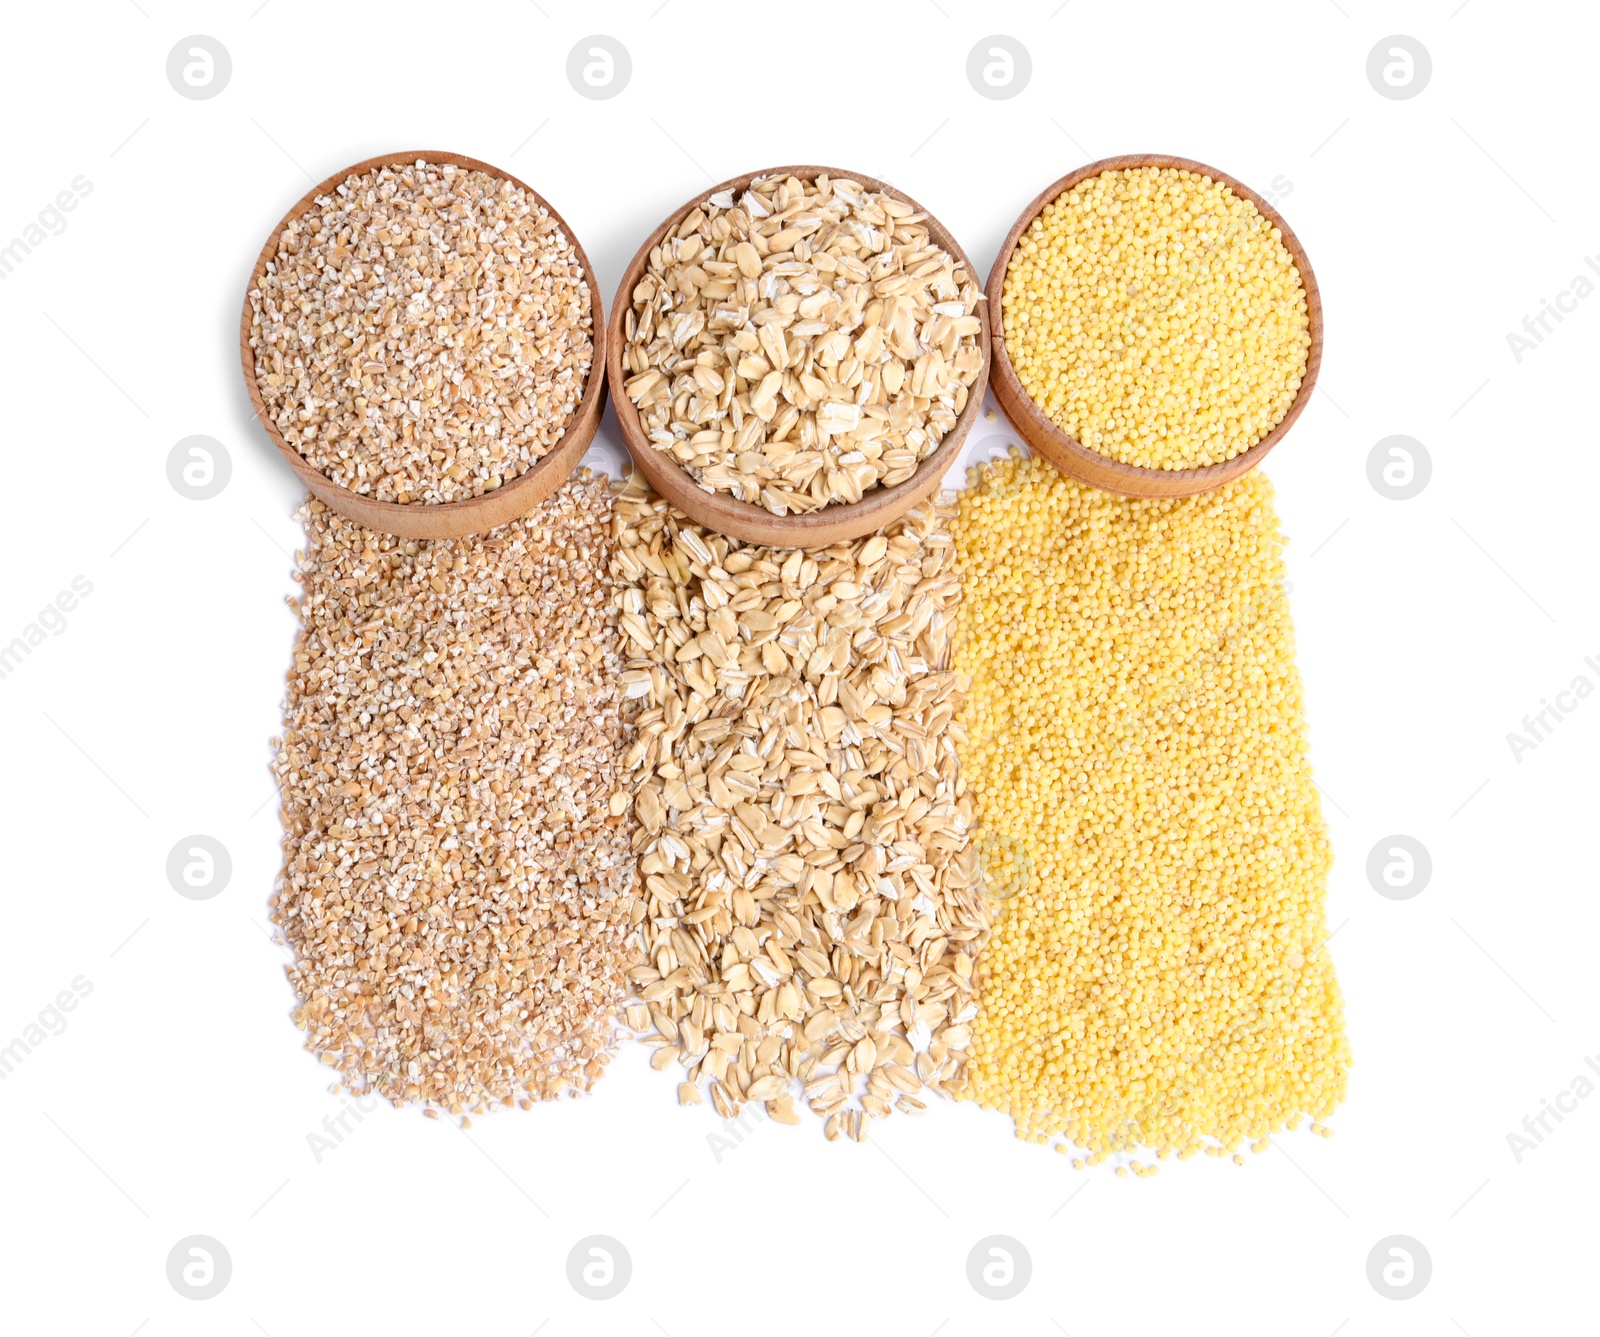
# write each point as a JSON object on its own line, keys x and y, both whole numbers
{"x": 1137, "y": 747}
{"x": 1157, "y": 317}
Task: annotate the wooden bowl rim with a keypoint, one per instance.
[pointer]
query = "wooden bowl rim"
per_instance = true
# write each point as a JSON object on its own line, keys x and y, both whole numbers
{"x": 470, "y": 515}
{"x": 1069, "y": 454}
{"x": 745, "y": 520}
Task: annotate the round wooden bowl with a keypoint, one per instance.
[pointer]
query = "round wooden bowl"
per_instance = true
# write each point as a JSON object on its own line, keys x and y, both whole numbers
{"x": 745, "y": 520}
{"x": 1089, "y": 466}
{"x": 451, "y": 519}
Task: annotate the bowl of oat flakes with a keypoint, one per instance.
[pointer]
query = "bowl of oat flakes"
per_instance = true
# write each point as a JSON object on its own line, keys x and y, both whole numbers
{"x": 424, "y": 341}
{"x": 797, "y": 354}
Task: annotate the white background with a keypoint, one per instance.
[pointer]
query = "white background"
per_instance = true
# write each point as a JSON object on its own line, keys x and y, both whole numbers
{"x": 178, "y": 1100}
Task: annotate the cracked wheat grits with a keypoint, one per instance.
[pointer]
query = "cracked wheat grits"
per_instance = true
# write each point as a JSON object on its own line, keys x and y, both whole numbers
{"x": 455, "y": 889}
{"x": 423, "y": 333}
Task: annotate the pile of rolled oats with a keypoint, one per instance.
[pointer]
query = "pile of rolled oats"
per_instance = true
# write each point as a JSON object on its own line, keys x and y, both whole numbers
{"x": 801, "y": 345}
{"x": 811, "y": 916}
{"x": 457, "y": 881}
{"x": 423, "y": 333}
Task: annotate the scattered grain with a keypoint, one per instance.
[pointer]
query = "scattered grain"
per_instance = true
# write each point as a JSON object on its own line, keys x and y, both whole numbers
{"x": 1138, "y": 737}
{"x": 810, "y": 920}
{"x": 454, "y": 890}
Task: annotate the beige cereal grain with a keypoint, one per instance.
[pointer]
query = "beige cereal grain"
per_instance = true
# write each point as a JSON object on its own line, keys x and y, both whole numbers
{"x": 423, "y": 333}
{"x": 455, "y": 891}
{"x": 801, "y": 345}
{"x": 810, "y": 917}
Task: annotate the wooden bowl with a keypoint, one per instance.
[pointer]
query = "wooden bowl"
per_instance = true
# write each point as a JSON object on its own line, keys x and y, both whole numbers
{"x": 745, "y": 520}
{"x": 1089, "y": 466}
{"x": 451, "y": 519}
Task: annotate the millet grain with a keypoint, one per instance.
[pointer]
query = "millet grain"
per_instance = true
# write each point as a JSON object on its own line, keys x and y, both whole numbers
{"x": 1157, "y": 317}
{"x": 1136, "y": 744}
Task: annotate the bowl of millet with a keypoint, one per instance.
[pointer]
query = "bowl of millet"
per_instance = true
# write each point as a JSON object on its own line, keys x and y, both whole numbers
{"x": 424, "y": 341}
{"x": 1157, "y": 326}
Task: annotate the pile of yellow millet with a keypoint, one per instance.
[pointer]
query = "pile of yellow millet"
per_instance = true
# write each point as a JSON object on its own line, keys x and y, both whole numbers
{"x": 1157, "y": 317}
{"x": 1137, "y": 744}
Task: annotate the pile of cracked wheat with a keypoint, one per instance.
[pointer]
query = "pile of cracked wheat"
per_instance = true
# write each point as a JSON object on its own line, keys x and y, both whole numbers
{"x": 423, "y": 333}
{"x": 1138, "y": 753}
{"x": 802, "y": 344}
{"x": 456, "y": 887}
{"x": 810, "y": 921}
